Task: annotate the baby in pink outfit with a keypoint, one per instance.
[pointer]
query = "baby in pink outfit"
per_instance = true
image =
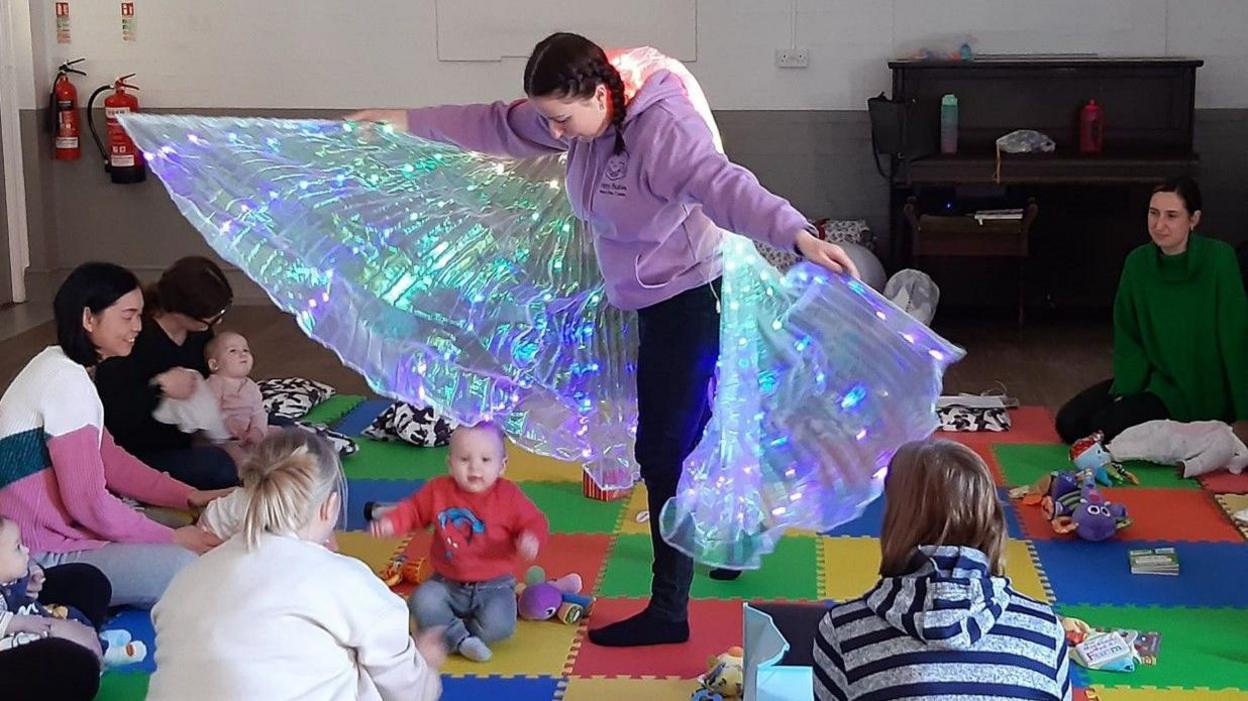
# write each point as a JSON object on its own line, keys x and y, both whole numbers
{"x": 242, "y": 407}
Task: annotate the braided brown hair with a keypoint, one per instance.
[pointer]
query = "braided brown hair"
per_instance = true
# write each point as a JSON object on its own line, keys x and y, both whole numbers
{"x": 566, "y": 65}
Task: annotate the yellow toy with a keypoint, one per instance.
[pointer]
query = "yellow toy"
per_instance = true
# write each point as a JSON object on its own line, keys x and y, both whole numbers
{"x": 725, "y": 676}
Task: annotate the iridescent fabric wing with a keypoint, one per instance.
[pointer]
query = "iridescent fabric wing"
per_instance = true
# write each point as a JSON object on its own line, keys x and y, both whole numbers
{"x": 446, "y": 278}
{"x": 820, "y": 381}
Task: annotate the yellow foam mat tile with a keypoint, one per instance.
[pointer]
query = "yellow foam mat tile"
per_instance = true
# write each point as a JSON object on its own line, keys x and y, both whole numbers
{"x": 374, "y": 552}
{"x": 1231, "y": 503}
{"x": 1020, "y": 567}
{"x": 523, "y": 466}
{"x": 851, "y": 566}
{"x": 637, "y": 504}
{"x": 594, "y": 689}
{"x": 537, "y": 648}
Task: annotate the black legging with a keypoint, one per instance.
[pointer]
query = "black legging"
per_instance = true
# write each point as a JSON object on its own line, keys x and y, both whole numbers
{"x": 1095, "y": 409}
{"x": 55, "y": 668}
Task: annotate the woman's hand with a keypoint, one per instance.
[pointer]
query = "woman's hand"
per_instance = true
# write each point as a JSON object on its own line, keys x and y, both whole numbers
{"x": 199, "y": 498}
{"x": 76, "y": 632}
{"x": 177, "y": 383}
{"x": 431, "y": 644}
{"x": 825, "y": 254}
{"x": 195, "y": 539}
{"x": 395, "y": 119}
{"x": 24, "y": 623}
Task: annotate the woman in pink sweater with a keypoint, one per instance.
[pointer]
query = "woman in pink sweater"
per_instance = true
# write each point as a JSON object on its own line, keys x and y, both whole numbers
{"x": 59, "y": 467}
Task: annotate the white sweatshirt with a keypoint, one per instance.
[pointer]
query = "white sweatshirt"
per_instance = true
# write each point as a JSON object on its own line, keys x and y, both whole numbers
{"x": 288, "y": 620}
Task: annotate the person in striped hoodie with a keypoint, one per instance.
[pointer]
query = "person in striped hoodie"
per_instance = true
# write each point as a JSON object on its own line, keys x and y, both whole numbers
{"x": 59, "y": 466}
{"x": 943, "y": 621}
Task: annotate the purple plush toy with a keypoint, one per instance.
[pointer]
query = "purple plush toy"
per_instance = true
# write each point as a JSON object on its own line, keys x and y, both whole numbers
{"x": 557, "y": 598}
{"x": 1074, "y": 505}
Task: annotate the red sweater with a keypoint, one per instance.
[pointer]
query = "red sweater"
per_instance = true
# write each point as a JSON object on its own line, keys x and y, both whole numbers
{"x": 474, "y": 535}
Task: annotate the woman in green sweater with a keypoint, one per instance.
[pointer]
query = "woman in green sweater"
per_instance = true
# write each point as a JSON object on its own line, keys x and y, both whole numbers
{"x": 1180, "y": 329}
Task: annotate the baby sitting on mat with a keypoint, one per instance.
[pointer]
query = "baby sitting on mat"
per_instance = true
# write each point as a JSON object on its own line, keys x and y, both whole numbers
{"x": 481, "y": 522}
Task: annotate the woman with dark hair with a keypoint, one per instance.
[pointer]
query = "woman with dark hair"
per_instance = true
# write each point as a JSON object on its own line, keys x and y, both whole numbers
{"x": 1180, "y": 329}
{"x": 60, "y": 465}
{"x": 645, "y": 173}
{"x": 168, "y": 360}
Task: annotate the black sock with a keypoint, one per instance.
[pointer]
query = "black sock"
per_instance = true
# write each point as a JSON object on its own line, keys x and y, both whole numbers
{"x": 645, "y": 628}
{"x": 724, "y": 575}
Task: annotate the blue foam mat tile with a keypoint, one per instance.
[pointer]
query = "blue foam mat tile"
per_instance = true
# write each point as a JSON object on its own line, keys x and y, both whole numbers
{"x": 360, "y": 492}
{"x": 1211, "y": 575}
{"x": 510, "y": 688}
{"x": 872, "y": 520}
{"x": 139, "y": 623}
{"x": 358, "y": 419}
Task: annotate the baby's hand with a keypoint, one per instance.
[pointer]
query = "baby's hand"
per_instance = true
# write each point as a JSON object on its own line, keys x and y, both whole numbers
{"x": 527, "y": 545}
{"x": 381, "y": 528}
{"x": 35, "y": 584}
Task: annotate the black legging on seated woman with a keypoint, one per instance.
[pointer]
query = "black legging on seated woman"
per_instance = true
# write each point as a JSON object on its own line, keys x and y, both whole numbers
{"x": 1095, "y": 409}
{"x": 55, "y": 668}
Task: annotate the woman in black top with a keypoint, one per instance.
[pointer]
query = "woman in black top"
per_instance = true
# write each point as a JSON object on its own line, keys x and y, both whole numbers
{"x": 179, "y": 313}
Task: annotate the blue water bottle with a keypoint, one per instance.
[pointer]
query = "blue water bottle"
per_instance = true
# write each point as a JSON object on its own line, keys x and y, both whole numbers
{"x": 949, "y": 124}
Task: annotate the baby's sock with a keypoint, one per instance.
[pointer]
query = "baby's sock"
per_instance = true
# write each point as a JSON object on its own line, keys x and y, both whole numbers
{"x": 475, "y": 649}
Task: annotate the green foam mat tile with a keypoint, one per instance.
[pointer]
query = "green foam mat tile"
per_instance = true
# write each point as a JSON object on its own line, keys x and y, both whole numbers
{"x": 569, "y": 511}
{"x": 788, "y": 574}
{"x": 1199, "y": 647}
{"x": 1024, "y": 463}
{"x": 122, "y": 686}
{"x": 332, "y": 409}
{"x": 389, "y": 460}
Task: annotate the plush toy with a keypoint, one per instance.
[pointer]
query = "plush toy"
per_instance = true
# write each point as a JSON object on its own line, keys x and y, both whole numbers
{"x": 1073, "y": 504}
{"x": 725, "y": 676}
{"x": 541, "y": 599}
{"x": 1090, "y": 455}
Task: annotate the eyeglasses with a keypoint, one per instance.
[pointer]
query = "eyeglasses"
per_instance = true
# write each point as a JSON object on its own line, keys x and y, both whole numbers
{"x": 215, "y": 318}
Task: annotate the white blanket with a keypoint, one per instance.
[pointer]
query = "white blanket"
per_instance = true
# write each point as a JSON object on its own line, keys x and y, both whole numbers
{"x": 1199, "y": 446}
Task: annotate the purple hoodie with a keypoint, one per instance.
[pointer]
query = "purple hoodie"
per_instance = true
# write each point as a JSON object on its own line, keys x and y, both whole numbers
{"x": 653, "y": 210}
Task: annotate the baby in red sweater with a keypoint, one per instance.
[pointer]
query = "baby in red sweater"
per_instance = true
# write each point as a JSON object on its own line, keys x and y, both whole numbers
{"x": 481, "y": 524}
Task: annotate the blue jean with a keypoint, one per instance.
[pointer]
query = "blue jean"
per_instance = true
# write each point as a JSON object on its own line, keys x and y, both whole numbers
{"x": 486, "y": 610}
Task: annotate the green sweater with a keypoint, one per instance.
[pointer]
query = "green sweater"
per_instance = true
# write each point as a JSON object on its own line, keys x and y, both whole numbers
{"x": 1181, "y": 330}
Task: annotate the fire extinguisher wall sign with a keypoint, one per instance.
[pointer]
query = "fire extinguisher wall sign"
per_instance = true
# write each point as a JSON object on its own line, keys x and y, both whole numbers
{"x": 122, "y": 159}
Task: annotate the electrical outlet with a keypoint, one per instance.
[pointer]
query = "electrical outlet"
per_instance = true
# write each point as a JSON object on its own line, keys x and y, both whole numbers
{"x": 792, "y": 58}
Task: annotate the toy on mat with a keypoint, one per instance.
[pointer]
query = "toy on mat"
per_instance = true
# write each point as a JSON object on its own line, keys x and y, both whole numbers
{"x": 404, "y": 570}
{"x": 1089, "y": 454}
{"x": 725, "y": 677}
{"x": 540, "y": 599}
{"x": 1073, "y": 504}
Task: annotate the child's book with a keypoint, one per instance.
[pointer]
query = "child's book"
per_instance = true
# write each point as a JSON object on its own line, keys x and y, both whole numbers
{"x": 1163, "y": 561}
{"x": 1101, "y": 650}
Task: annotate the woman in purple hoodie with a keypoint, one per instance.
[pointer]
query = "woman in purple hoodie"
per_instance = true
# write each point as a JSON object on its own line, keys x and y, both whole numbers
{"x": 645, "y": 174}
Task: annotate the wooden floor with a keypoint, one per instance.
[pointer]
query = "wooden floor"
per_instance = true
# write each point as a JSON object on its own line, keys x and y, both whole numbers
{"x": 1043, "y": 363}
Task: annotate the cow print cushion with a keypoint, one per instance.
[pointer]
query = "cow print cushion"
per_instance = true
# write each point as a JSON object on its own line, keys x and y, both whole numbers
{"x": 962, "y": 418}
{"x": 420, "y": 426}
{"x": 292, "y": 397}
{"x": 340, "y": 441}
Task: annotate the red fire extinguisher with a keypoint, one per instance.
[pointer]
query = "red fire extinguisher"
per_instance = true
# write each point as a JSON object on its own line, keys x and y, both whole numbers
{"x": 123, "y": 160}
{"x": 63, "y": 113}
{"x": 1091, "y": 128}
